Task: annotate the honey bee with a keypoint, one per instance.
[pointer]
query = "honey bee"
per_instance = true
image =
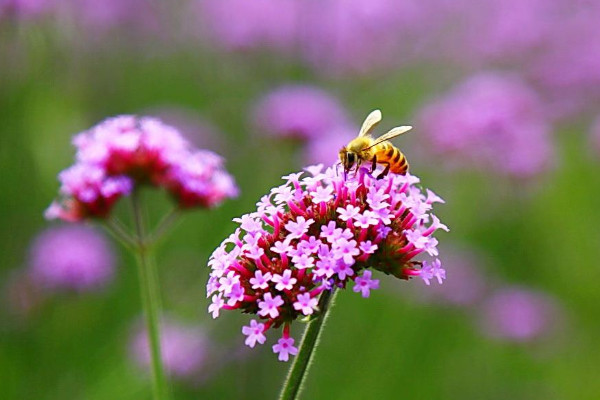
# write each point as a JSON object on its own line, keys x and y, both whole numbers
{"x": 365, "y": 148}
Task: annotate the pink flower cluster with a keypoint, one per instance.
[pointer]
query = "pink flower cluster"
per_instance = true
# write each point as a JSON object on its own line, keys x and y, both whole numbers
{"x": 300, "y": 112}
{"x": 316, "y": 232}
{"x": 492, "y": 120}
{"x": 121, "y": 153}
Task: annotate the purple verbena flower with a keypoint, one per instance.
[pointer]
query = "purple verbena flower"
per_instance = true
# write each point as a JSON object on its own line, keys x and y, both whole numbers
{"x": 71, "y": 257}
{"x": 285, "y": 347}
{"x": 298, "y": 112}
{"x": 364, "y": 283}
{"x": 124, "y": 152}
{"x": 305, "y": 247}
{"x": 492, "y": 120}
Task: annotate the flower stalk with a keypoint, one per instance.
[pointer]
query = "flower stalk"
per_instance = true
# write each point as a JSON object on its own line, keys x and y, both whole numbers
{"x": 299, "y": 368}
{"x": 150, "y": 295}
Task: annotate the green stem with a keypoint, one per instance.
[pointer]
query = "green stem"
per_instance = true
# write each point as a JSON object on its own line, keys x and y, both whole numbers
{"x": 164, "y": 225}
{"x": 150, "y": 299}
{"x": 298, "y": 370}
{"x": 116, "y": 229}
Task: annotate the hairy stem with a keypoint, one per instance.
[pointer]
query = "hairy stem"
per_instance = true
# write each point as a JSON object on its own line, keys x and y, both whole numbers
{"x": 299, "y": 368}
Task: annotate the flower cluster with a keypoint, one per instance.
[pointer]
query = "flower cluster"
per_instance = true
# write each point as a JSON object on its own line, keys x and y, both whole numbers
{"x": 124, "y": 152}
{"x": 318, "y": 232}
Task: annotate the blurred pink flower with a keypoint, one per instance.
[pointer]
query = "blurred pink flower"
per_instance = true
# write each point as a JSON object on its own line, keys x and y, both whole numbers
{"x": 501, "y": 31}
{"x": 298, "y": 112}
{"x": 491, "y": 120}
{"x": 357, "y": 36}
{"x": 24, "y": 9}
{"x": 124, "y": 152}
{"x": 464, "y": 287}
{"x": 71, "y": 257}
{"x": 518, "y": 314}
{"x": 567, "y": 68}
{"x": 243, "y": 25}
{"x": 185, "y": 350}
{"x": 93, "y": 17}
{"x": 324, "y": 149}
{"x": 199, "y": 131}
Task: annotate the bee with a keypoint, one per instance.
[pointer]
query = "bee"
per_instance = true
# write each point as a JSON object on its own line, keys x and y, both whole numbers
{"x": 365, "y": 148}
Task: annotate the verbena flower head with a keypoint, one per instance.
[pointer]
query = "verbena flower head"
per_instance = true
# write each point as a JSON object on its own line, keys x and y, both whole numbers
{"x": 318, "y": 231}
{"x": 494, "y": 121}
{"x": 72, "y": 258}
{"x": 184, "y": 349}
{"x": 298, "y": 112}
{"x": 121, "y": 153}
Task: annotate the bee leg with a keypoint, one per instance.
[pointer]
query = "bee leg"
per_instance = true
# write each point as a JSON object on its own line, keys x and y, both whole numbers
{"x": 374, "y": 164}
{"x": 385, "y": 171}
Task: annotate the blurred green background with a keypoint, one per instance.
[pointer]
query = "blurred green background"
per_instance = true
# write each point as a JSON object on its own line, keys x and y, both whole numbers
{"x": 541, "y": 233}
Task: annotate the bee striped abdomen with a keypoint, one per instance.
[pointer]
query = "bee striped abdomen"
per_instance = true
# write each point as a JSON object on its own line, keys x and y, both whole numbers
{"x": 387, "y": 153}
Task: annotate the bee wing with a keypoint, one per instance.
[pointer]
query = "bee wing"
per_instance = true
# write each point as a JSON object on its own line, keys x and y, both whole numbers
{"x": 397, "y": 131}
{"x": 370, "y": 122}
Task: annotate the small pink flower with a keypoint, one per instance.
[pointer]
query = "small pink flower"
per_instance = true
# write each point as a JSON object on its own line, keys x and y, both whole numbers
{"x": 285, "y": 347}
{"x": 255, "y": 333}
{"x": 364, "y": 284}
{"x": 306, "y": 304}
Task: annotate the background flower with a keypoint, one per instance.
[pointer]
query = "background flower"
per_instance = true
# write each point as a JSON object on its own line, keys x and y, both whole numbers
{"x": 124, "y": 152}
{"x": 518, "y": 314}
{"x": 186, "y": 351}
{"x": 71, "y": 257}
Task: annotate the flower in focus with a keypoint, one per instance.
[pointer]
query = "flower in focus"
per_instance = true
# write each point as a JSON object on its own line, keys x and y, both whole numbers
{"x": 298, "y": 112}
{"x": 184, "y": 349}
{"x": 316, "y": 232}
{"x": 71, "y": 257}
{"x": 124, "y": 152}
{"x": 518, "y": 314}
{"x": 493, "y": 120}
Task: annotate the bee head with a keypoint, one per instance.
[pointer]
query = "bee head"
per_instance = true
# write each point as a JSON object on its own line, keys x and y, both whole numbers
{"x": 348, "y": 159}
